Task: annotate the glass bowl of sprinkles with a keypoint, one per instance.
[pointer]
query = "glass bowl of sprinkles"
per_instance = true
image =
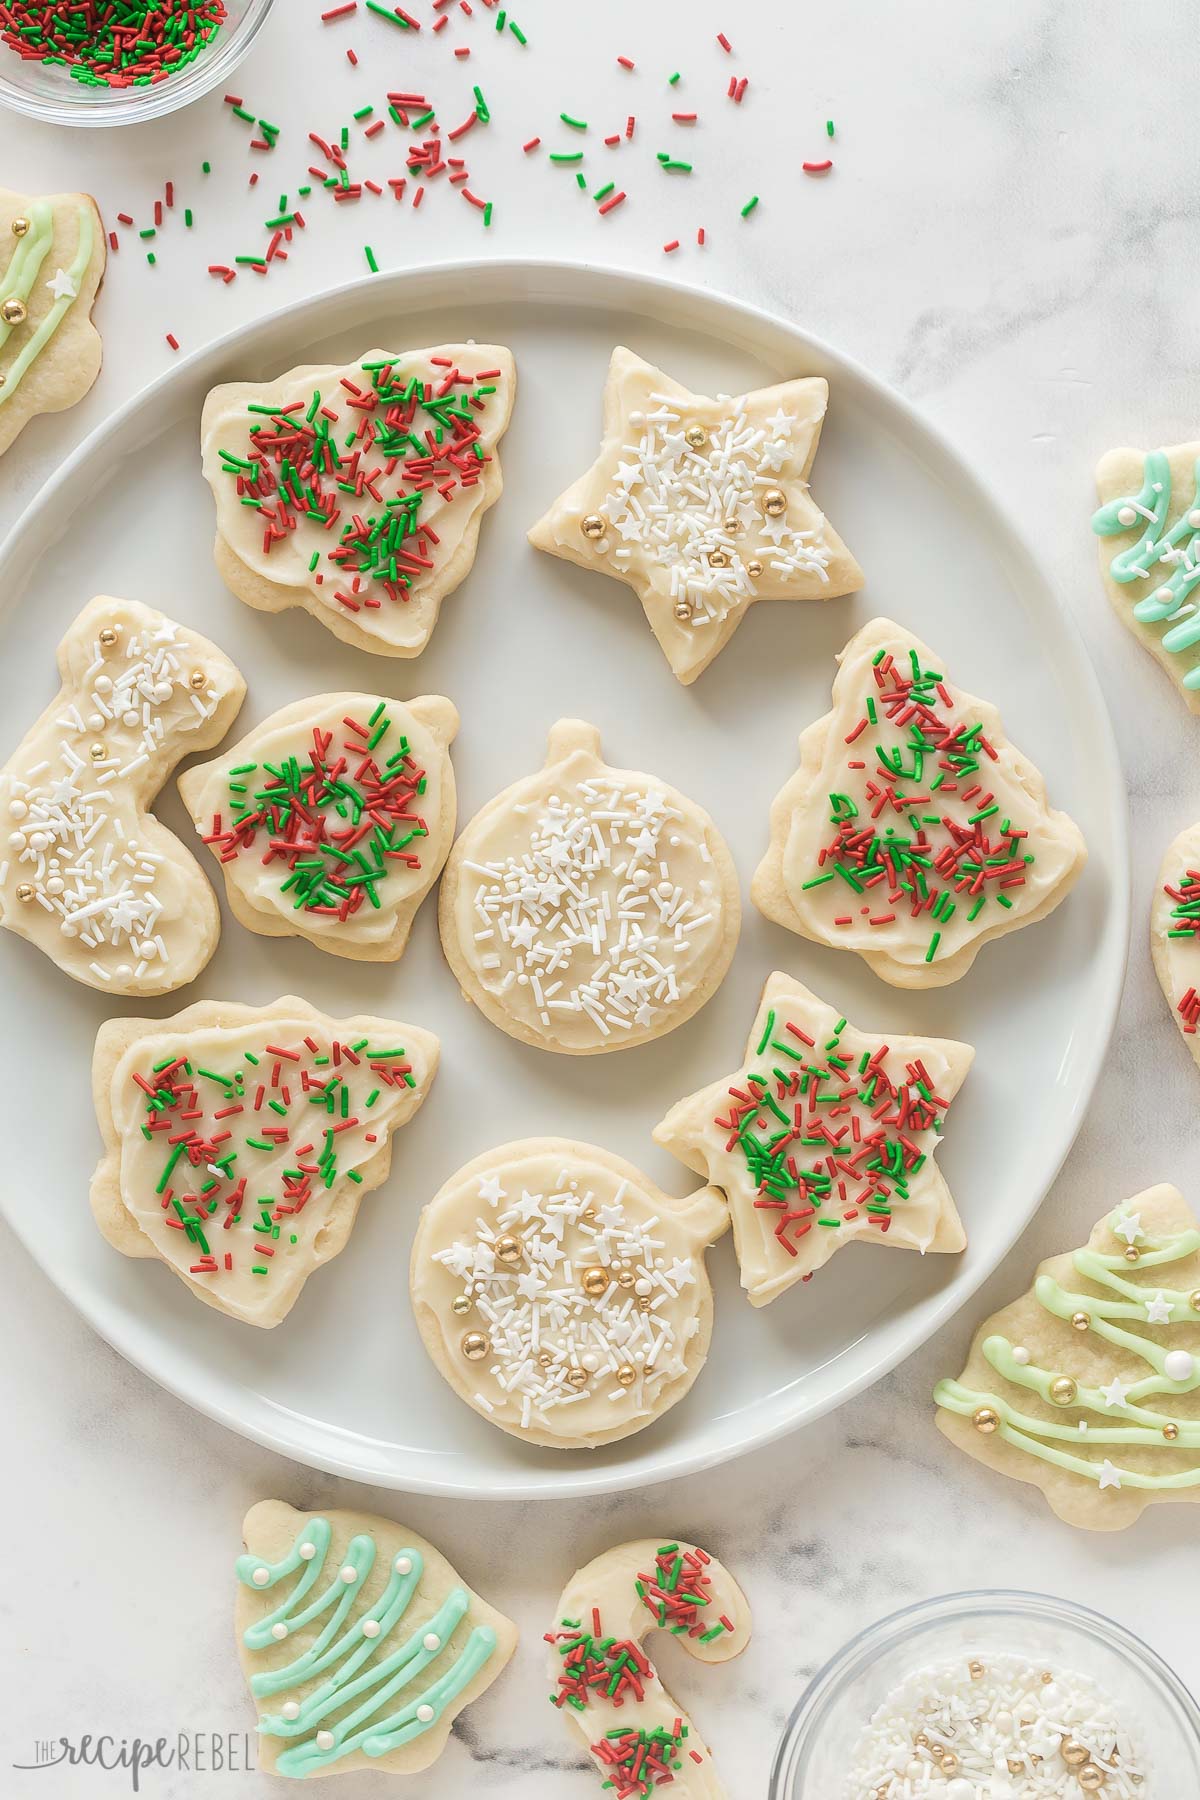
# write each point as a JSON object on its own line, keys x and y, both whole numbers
{"x": 119, "y": 62}
{"x": 992, "y": 1696}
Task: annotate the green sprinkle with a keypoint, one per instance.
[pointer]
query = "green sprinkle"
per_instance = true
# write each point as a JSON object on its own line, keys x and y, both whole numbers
{"x": 602, "y": 193}
{"x": 481, "y": 106}
{"x": 829, "y": 127}
{"x": 575, "y": 124}
{"x": 749, "y": 206}
{"x": 517, "y": 32}
{"x": 487, "y": 219}
{"x": 566, "y": 156}
{"x": 934, "y": 941}
{"x": 206, "y": 168}
{"x": 370, "y": 256}
{"x": 385, "y": 12}
{"x": 672, "y": 79}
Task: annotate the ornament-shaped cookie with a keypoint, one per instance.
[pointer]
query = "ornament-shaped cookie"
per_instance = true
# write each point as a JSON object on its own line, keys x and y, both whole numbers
{"x": 239, "y": 1140}
{"x": 702, "y": 506}
{"x": 88, "y": 874}
{"x": 913, "y": 832}
{"x": 825, "y": 1135}
{"x": 1089, "y": 1385}
{"x": 588, "y": 908}
{"x": 562, "y": 1294}
{"x": 331, "y": 820}
{"x": 357, "y": 490}
{"x": 1149, "y": 531}
{"x": 52, "y": 257}
{"x": 360, "y": 1642}
{"x": 1175, "y": 933}
{"x": 605, "y": 1685}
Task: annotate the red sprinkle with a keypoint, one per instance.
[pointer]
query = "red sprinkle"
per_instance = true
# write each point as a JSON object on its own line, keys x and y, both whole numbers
{"x": 817, "y": 168}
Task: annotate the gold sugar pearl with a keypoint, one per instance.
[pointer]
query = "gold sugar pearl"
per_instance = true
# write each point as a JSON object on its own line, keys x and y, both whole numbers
{"x": 626, "y": 1374}
{"x": 594, "y": 1281}
{"x": 774, "y": 503}
{"x": 1073, "y": 1753}
{"x": 545, "y": 1358}
{"x": 1046, "y": 1677}
{"x": 1170, "y": 1432}
{"x": 626, "y": 1278}
{"x": 508, "y": 1249}
{"x": 1091, "y": 1778}
{"x": 589, "y": 1213}
{"x": 754, "y": 567}
{"x": 921, "y": 1741}
{"x": 1132, "y": 1253}
{"x": 592, "y": 525}
{"x": 461, "y": 1304}
{"x": 695, "y": 437}
{"x": 1015, "y": 1766}
{"x": 948, "y": 1763}
{"x": 645, "y": 1302}
{"x": 198, "y": 679}
{"x": 14, "y": 311}
{"x": 108, "y": 635}
{"x": 577, "y": 1378}
{"x": 1063, "y": 1390}
{"x": 718, "y": 559}
{"x": 682, "y": 610}
{"x": 1080, "y": 1321}
{"x": 987, "y": 1419}
{"x": 25, "y": 893}
{"x": 1194, "y": 1301}
{"x": 20, "y": 225}
{"x": 475, "y": 1346}
{"x": 734, "y": 526}
{"x": 976, "y": 1671}
{"x": 96, "y": 752}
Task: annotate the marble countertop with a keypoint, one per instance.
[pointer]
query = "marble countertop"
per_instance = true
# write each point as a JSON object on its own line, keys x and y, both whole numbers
{"x": 1010, "y": 237}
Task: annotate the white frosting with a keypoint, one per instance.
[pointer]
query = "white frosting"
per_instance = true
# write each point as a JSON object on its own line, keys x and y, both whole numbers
{"x": 1175, "y": 947}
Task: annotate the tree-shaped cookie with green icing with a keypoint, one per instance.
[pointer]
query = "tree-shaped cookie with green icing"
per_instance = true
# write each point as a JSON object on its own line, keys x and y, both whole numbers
{"x": 1175, "y": 933}
{"x": 332, "y": 818}
{"x": 1089, "y": 1385}
{"x": 52, "y": 257}
{"x": 360, "y": 1642}
{"x": 239, "y": 1140}
{"x": 1148, "y": 525}
{"x": 914, "y": 831}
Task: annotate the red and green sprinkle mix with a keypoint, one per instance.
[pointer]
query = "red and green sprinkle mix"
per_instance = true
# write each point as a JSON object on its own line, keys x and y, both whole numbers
{"x": 1185, "y": 923}
{"x": 596, "y": 1667}
{"x": 807, "y": 1152}
{"x": 111, "y": 43}
{"x": 925, "y": 860}
{"x": 338, "y": 821}
{"x": 331, "y": 461}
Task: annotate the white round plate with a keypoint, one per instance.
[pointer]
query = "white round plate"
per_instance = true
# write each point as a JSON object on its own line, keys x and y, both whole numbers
{"x": 344, "y": 1383}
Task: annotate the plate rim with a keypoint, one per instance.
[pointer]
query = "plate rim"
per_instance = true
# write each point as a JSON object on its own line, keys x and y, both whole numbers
{"x": 265, "y": 1422}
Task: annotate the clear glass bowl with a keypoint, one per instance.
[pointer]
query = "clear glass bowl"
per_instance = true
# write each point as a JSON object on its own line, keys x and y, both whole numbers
{"x": 813, "y": 1756}
{"x": 47, "y": 91}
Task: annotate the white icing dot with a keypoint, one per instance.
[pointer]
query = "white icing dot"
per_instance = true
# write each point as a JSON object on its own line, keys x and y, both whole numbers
{"x": 324, "y": 1740}
{"x": 403, "y": 1565}
{"x": 16, "y": 840}
{"x": 261, "y": 1577}
{"x": 279, "y": 1631}
{"x": 123, "y": 971}
{"x": 348, "y": 1575}
{"x": 589, "y": 1361}
{"x": 1126, "y": 515}
{"x": 1163, "y": 595}
{"x": 17, "y": 809}
{"x": 1179, "y": 1365}
{"x": 432, "y": 1641}
{"x": 55, "y": 885}
{"x": 102, "y": 684}
{"x": 1020, "y": 1354}
{"x": 129, "y": 718}
{"x": 644, "y": 1286}
{"x": 425, "y": 1714}
{"x": 637, "y": 418}
{"x": 1194, "y": 518}
{"x": 308, "y": 1551}
{"x": 290, "y": 1709}
{"x": 371, "y": 1628}
{"x": 39, "y": 840}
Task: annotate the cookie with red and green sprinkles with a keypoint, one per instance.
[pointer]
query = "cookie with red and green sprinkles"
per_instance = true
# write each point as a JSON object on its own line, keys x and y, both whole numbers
{"x": 914, "y": 831}
{"x": 824, "y": 1136}
{"x": 239, "y": 1140}
{"x": 1175, "y": 933}
{"x": 331, "y": 820}
{"x": 607, "y": 1688}
{"x": 356, "y": 490}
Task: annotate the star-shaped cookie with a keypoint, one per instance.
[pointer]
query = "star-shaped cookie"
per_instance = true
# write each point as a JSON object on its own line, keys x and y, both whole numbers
{"x": 1175, "y": 933}
{"x": 702, "y": 506}
{"x": 825, "y": 1134}
{"x": 913, "y": 831}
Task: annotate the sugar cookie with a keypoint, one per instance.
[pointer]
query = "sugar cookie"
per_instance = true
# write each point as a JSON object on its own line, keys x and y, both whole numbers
{"x": 562, "y": 1294}
{"x": 239, "y": 1140}
{"x": 914, "y": 832}
{"x": 367, "y": 1656}
{"x": 826, "y": 1134}
{"x": 1175, "y": 933}
{"x": 87, "y": 873}
{"x": 587, "y": 908}
{"x": 331, "y": 820}
{"x": 52, "y": 257}
{"x": 1149, "y": 531}
{"x": 1088, "y": 1386}
{"x": 702, "y": 506}
{"x": 356, "y": 491}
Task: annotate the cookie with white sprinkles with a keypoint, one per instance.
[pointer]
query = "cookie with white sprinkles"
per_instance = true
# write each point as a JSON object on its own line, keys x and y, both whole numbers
{"x": 52, "y": 258}
{"x": 356, "y": 490}
{"x": 588, "y": 908}
{"x": 702, "y": 506}
{"x": 331, "y": 820}
{"x": 562, "y": 1294}
{"x": 87, "y": 873}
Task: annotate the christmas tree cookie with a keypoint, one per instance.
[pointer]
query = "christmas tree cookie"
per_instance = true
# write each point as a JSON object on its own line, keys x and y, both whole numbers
{"x": 605, "y": 1685}
{"x": 702, "y": 506}
{"x": 331, "y": 820}
{"x": 239, "y": 1140}
{"x": 52, "y": 256}
{"x": 359, "y": 1641}
{"x": 825, "y": 1135}
{"x": 1175, "y": 933}
{"x": 87, "y": 873}
{"x": 1089, "y": 1385}
{"x": 588, "y": 908}
{"x": 357, "y": 490}
{"x": 1149, "y": 531}
{"x": 562, "y": 1294}
{"x": 913, "y": 832}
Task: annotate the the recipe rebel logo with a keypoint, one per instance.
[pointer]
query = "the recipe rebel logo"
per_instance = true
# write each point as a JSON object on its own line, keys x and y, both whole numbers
{"x": 182, "y": 1752}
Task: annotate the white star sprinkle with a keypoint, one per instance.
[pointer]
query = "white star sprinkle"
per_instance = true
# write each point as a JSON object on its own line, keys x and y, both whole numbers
{"x": 62, "y": 287}
{"x": 1129, "y": 1227}
{"x": 1114, "y": 1394}
{"x": 1110, "y": 1475}
{"x": 1158, "y": 1310}
{"x": 490, "y": 1190}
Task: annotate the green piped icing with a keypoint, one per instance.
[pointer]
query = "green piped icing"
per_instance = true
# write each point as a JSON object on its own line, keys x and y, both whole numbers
{"x": 18, "y": 279}
{"x": 344, "y": 1648}
{"x": 1170, "y": 558}
{"x": 1143, "y": 1426}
